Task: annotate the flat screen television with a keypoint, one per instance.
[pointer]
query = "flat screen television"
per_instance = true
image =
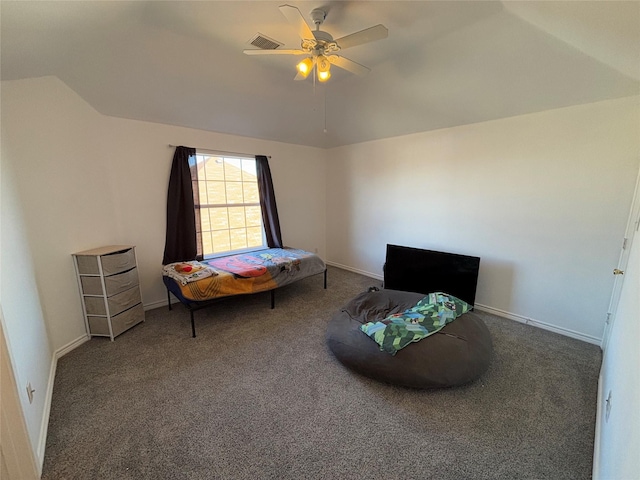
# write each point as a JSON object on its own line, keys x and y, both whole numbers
{"x": 426, "y": 271}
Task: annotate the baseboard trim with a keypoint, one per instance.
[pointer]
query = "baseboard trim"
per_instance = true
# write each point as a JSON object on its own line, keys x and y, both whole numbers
{"x": 72, "y": 345}
{"x": 355, "y": 270}
{"x": 595, "y": 471}
{"x": 537, "y": 323}
{"x": 152, "y": 305}
{"x": 44, "y": 426}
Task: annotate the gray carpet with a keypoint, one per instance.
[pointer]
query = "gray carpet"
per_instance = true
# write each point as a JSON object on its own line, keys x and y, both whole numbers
{"x": 258, "y": 395}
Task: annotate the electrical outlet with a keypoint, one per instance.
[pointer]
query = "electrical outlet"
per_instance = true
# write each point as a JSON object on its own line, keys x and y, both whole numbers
{"x": 30, "y": 392}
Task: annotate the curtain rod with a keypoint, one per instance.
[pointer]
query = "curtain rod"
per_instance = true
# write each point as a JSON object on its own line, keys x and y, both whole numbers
{"x": 221, "y": 151}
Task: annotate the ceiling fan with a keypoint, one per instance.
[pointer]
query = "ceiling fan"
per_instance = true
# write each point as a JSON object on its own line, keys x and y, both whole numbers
{"x": 320, "y": 48}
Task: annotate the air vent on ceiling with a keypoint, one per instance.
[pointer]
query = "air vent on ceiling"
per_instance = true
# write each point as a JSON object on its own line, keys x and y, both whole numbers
{"x": 264, "y": 42}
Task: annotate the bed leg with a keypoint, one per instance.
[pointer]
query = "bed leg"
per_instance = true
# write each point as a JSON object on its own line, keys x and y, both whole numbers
{"x": 193, "y": 325}
{"x": 325, "y": 278}
{"x": 169, "y": 298}
{"x": 273, "y": 299}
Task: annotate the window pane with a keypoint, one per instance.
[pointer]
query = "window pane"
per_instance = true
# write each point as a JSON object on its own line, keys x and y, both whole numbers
{"x": 249, "y": 173}
{"x": 253, "y": 216}
{"x": 216, "y": 193}
{"x": 202, "y": 173}
{"x": 254, "y": 236}
{"x": 219, "y": 218}
{"x": 236, "y": 217}
{"x": 232, "y": 169}
{"x": 251, "y": 194}
{"x": 215, "y": 169}
{"x": 199, "y": 166}
{"x": 205, "y": 224}
{"x": 221, "y": 241}
{"x": 207, "y": 246}
{"x": 238, "y": 238}
{"x": 202, "y": 191}
{"x": 234, "y": 192}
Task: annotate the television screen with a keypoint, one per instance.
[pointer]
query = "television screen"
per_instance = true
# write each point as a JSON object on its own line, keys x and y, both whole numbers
{"x": 426, "y": 271}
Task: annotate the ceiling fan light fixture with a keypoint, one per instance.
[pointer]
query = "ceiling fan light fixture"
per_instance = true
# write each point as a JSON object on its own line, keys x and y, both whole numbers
{"x": 324, "y": 76}
{"x": 324, "y": 67}
{"x": 323, "y": 63}
{"x": 305, "y": 67}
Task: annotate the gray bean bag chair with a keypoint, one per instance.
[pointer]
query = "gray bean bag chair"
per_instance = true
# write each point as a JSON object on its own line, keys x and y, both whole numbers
{"x": 457, "y": 354}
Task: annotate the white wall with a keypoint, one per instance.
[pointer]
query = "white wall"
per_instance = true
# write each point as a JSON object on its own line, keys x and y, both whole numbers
{"x": 56, "y": 147}
{"x": 541, "y": 198}
{"x": 74, "y": 179}
{"x": 21, "y": 312}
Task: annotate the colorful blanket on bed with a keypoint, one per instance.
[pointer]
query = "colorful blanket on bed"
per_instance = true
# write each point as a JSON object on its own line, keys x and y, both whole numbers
{"x": 252, "y": 272}
{"x": 427, "y": 317}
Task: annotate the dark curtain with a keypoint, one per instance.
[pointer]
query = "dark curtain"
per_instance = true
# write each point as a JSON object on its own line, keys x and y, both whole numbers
{"x": 181, "y": 243}
{"x": 268, "y": 203}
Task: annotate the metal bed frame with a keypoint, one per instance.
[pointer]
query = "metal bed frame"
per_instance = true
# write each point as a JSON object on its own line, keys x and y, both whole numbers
{"x": 194, "y": 306}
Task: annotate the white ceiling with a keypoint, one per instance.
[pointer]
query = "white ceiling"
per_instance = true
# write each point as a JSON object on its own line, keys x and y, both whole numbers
{"x": 445, "y": 63}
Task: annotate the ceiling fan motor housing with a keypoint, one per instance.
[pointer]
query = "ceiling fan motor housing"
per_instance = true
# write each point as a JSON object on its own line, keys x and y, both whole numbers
{"x": 322, "y": 36}
{"x": 318, "y": 15}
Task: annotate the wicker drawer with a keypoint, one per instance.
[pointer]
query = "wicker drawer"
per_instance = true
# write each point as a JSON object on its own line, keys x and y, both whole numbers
{"x": 111, "y": 263}
{"x": 119, "y": 323}
{"x": 118, "y": 262}
{"x": 117, "y": 303}
{"x": 114, "y": 284}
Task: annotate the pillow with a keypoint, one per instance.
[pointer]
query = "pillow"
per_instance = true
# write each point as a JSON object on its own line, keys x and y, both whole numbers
{"x": 377, "y": 304}
{"x": 185, "y": 272}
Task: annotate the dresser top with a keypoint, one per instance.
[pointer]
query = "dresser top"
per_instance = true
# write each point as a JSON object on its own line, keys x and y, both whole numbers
{"x": 104, "y": 250}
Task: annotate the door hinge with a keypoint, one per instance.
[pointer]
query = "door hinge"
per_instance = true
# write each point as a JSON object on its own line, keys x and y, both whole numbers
{"x": 608, "y": 319}
{"x": 624, "y": 243}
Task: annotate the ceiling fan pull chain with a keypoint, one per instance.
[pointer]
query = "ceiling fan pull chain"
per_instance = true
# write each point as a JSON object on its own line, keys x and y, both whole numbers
{"x": 325, "y": 109}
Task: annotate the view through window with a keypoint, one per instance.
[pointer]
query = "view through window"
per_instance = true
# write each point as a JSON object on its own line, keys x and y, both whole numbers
{"x": 229, "y": 204}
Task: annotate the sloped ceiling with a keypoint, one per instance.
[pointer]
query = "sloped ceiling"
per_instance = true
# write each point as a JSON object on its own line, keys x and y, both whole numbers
{"x": 444, "y": 63}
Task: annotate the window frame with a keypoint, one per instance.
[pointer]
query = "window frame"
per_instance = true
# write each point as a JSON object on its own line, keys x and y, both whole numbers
{"x": 199, "y": 205}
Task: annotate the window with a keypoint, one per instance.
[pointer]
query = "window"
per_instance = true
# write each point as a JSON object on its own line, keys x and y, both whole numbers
{"x": 227, "y": 203}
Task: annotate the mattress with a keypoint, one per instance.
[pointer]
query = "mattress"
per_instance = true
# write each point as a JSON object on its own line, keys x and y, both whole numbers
{"x": 246, "y": 273}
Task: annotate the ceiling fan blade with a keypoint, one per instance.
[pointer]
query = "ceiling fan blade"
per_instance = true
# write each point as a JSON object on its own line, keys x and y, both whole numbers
{"x": 296, "y": 19}
{"x": 367, "y": 35}
{"x": 348, "y": 65}
{"x": 274, "y": 52}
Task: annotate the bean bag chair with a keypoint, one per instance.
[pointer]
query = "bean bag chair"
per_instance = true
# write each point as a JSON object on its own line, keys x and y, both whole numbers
{"x": 457, "y": 354}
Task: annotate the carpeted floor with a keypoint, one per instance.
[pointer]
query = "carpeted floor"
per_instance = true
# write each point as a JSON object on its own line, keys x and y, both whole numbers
{"x": 257, "y": 395}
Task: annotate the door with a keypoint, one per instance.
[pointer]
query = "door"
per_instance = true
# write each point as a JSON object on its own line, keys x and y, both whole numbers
{"x": 618, "y": 406}
{"x": 632, "y": 228}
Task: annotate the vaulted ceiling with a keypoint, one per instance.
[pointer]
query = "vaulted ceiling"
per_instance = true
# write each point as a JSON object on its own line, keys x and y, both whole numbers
{"x": 444, "y": 63}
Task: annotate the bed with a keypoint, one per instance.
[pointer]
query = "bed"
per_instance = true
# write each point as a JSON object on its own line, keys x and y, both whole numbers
{"x": 198, "y": 285}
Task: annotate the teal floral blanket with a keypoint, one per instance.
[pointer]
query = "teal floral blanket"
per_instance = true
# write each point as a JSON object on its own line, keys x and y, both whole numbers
{"x": 427, "y": 317}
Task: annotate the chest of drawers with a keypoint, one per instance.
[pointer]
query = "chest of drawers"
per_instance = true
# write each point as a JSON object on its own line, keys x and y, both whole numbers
{"x": 109, "y": 288}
